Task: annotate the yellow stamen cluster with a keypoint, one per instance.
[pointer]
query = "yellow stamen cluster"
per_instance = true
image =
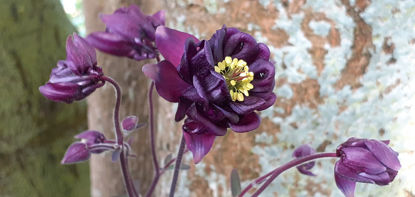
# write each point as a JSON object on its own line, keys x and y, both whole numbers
{"x": 237, "y": 76}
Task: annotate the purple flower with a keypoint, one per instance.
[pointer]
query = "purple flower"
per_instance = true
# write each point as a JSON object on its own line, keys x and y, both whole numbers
{"x": 305, "y": 150}
{"x": 91, "y": 142}
{"x": 77, "y": 76}
{"x": 219, "y": 83}
{"x": 366, "y": 161}
{"x": 129, "y": 33}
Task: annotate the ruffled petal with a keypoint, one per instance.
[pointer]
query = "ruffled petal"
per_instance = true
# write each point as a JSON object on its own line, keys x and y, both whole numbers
{"x": 171, "y": 43}
{"x": 384, "y": 154}
{"x": 242, "y": 46}
{"x": 345, "y": 185}
{"x": 212, "y": 128}
{"x": 247, "y": 123}
{"x": 249, "y": 104}
{"x": 264, "y": 52}
{"x": 264, "y": 73}
{"x": 199, "y": 144}
{"x": 168, "y": 83}
{"x": 80, "y": 53}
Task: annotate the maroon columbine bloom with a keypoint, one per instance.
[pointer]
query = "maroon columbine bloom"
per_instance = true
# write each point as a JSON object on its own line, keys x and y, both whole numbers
{"x": 302, "y": 151}
{"x": 219, "y": 83}
{"x": 366, "y": 161}
{"x": 129, "y": 33}
{"x": 77, "y": 76}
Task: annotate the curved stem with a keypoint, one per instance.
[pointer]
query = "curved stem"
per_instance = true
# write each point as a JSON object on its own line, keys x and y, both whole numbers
{"x": 153, "y": 144}
{"x": 120, "y": 140}
{"x": 177, "y": 167}
{"x": 280, "y": 170}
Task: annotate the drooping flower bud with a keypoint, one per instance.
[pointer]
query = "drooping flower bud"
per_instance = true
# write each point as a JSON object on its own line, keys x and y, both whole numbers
{"x": 305, "y": 150}
{"x": 366, "y": 161}
{"x": 76, "y": 77}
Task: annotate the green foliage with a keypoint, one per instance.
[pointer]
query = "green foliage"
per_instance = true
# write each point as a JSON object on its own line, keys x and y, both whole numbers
{"x": 35, "y": 132}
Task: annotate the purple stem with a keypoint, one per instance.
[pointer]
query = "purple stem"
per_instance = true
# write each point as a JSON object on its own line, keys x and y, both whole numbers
{"x": 119, "y": 138}
{"x": 153, "y": 144}
{"x": 280, "y": 170}
{"x": 177, "y": 167}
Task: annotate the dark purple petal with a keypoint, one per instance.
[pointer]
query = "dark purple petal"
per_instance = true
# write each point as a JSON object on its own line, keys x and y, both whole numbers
{"x": 384, "y": 154}
{"x": 380, "y": 179}
{"x": 361, "y": 160}
{"x": 60, "y": 92}
{"x": 130, "y": 123}
{"x": 345, "y": 185}
{"x": 211, "y": 87}
{"x": 158, "y": 18}
{"x": 91, "y": 137}
{"x": 199, "y": 144}
{"x": 264, "y": 73}
{"x": 110, "y": 43}
{"x": 80, "y": 53}
{"x": 249, "y": 104}
{"x": 233, "y": 117}
{"x": 305, "y": 150}
{"x": 242, "y": 46}
{"x": 247, "y": 123}
{"x": 264, "y": 52}
{"x": 184, "y": 104}
{"x": 168, "y": 83}
{"x": 212, "y": 128}
{"x": 171, "y": 43}
{"x": 77, "y": 152}
{"x": 269, "y": 100}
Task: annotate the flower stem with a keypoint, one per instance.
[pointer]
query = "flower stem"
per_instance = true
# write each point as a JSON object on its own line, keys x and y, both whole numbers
{"x": 177, "y": 167}
{"x": 153, "y": 144}
{"x": 280, "y": 170}
{"x": 120, "y": 140}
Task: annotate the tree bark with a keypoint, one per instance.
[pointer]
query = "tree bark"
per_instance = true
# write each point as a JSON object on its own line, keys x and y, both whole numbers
{"x": 106, "y": 180}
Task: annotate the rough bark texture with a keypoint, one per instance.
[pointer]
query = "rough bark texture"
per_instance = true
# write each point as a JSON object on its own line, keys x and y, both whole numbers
{"x": 106, "y": 180}
{"x": 35, "y": 132}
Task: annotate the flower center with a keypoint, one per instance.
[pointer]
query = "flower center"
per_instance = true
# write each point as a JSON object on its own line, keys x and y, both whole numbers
{"x": 237, "y": 77}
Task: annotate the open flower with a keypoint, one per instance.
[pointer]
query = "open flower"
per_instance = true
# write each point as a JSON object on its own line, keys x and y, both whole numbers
{"x": 366, "y": 161}
{"x": 219, "y": 83}
{"x": 77, "y": 76}
{"x": 129, "y": 33}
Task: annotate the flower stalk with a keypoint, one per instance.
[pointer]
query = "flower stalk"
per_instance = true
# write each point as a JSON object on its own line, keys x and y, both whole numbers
{"x": 177, "y": 167}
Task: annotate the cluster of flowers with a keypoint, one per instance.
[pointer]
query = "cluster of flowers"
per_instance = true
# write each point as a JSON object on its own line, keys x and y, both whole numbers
{"x": 219, "y": 83}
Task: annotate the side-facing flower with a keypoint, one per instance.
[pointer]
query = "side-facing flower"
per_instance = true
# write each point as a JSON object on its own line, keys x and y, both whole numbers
{"x": 305, "y": 150}
{"x": 77, "y": 76}
{"x": 128, "y": 33}
{"x": 366, "y": 161}
{"x": 219, "y": 83}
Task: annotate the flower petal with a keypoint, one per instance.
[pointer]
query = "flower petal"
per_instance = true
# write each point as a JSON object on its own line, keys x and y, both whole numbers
{"x": 110, "y": 43}
{"x": 247, "y": 123}
{"x": 362, "y": 160}
{"x": 213, "y": 128}
{"x": 348, "y": 173}
{"x": 130, "y": 123}
{"x": 124, "y": 22}
{"x": 241, "y": 45}
{"x": 81, "y": 53}
{"x": 77, "y": 152}
{"x": 171, "y": 43}
{"x": 249, "y": 104}
{"x": 384, "y": 154}
{"x": 168, "y": 82}
{"x": 345, "y": 185}
{"x": 199, "y": 144}
{"x": 184, "y": 104}
{"x": 60, "y": 92}
{"x": 264, "y": 73}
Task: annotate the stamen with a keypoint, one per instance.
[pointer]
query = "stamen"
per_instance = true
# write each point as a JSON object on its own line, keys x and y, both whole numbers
{"x": 237, "y": 77}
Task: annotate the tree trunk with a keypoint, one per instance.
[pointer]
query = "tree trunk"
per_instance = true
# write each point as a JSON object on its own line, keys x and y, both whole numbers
{"x": 35, "y": 132}
{"x": 106, "y": 180}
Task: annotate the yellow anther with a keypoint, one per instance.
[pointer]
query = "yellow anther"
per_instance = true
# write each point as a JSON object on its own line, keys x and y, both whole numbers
{"x": 237, "y": 76}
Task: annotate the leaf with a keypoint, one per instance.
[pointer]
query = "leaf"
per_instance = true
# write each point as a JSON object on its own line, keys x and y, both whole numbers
{"x": 115, "y": 155}
{"x": 168, "y": 158}
{"x": 182, "y": 167}
{"x": 235, "y": 183}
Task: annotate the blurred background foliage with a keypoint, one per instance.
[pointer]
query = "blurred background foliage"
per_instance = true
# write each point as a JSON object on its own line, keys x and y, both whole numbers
{"x": 35, "y": 132}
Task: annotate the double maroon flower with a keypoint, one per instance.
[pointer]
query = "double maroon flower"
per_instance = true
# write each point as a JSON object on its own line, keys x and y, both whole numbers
{"x": 219, "y": 83}
{"x": 366, "y": 161}
{"x": 129, "y": 33}
{"x": 77, "y": 76}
